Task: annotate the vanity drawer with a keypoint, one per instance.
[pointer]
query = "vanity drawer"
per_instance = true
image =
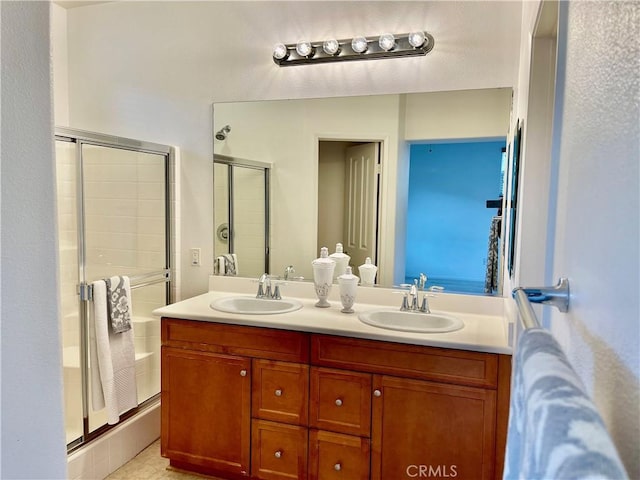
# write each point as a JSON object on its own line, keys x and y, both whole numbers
{"x": 280, "y": 391}
{"x": 278, "y": 451}
{"x": 412, "y": 361}
{"x": 254, "y": 342}
{"x": 340, "y": 401}
{"x": 334, "y": 456}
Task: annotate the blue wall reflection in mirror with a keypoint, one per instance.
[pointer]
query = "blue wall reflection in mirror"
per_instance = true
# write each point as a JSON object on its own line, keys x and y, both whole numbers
{"x": 447, "y": 220}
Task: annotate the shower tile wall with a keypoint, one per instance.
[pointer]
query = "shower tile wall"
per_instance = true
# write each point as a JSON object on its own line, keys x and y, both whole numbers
{"x": 249, "y": 220}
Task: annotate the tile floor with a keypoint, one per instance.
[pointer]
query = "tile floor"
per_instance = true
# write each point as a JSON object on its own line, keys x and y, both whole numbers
{"x": 149, "y": 465}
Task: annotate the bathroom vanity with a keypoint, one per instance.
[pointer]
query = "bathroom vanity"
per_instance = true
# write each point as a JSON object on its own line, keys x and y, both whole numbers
{"x": 315, "y": 394}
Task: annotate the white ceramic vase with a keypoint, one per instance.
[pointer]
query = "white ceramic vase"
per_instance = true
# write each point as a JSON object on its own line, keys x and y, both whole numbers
{"x": 348, "y": 288}
{"x": 341, "y": 259}
{"x": 323, "y": 268}
{"x": 368, "y": 272}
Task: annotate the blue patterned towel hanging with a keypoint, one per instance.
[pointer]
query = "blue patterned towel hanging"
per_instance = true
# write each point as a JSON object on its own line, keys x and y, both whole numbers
{"x": 555, "y": 430}
{"x": 118, "y": 303}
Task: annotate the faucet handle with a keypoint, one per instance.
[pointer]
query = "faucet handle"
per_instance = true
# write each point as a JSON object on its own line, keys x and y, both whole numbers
{"x": 276, "y": 293}
{"x": 405, "y": 302}
{"x": 424, "y": 307}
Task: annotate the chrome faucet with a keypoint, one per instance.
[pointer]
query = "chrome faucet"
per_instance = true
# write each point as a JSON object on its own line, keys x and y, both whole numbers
{"x": 410, "y": 300}
{"x": 264, "y": 288}
{"x": 422, "y": 282}
{"x": 288, "y": 272}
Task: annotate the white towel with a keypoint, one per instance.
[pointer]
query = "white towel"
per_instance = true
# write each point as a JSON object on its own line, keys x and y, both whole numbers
{"x": 113, "y": 371}
{"x": 227, "y": 264}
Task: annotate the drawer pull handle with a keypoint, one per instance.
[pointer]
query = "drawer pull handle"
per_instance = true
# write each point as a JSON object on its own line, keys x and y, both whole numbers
{"x": 338, "y": 402}
{"x": 278, "y": 393}
{"x": 337, "y": 467}
{"x": 377, "y": 393}
{"x": 243, "y": 373}
{"x": 278, "y": 454}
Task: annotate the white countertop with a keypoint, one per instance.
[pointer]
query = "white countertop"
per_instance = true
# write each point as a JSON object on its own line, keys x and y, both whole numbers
{"x": 485, "y": 327}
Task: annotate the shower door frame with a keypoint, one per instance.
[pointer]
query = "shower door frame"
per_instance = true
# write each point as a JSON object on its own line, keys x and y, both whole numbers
{"x": 265, "y": 167}
{"x": 81, "y": 138}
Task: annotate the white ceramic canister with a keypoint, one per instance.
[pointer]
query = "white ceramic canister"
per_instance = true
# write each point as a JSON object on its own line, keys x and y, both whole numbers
{"x": 341, "y": 259}
{"x": 368, "y": 272}
{"x": 348, "y": 288}
{"x": 323, "y": 269}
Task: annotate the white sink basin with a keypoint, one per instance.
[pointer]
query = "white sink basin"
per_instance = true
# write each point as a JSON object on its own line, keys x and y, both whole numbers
{"x": 254, "y": 306}
{"x": 412, "y": 321}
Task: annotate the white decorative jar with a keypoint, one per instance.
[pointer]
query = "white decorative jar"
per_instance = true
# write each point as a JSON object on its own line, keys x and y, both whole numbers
{"x": 348, "y": 288}
{"x": 341, "y": 259}
{"x": 368, "y": 272}
{"x": 323, "y": 268}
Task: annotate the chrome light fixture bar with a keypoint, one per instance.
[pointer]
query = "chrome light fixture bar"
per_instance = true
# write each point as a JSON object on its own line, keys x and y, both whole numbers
{"x": 357, "y": 48}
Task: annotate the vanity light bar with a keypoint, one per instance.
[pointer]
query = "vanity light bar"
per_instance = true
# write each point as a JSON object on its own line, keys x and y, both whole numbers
{"x": 357, "y": 48}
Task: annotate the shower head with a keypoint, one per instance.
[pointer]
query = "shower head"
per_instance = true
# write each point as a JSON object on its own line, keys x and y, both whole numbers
{"x": 223, "y": 132}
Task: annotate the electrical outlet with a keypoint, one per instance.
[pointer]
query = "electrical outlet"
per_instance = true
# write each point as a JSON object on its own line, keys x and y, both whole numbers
{"x": 195, "y": 257}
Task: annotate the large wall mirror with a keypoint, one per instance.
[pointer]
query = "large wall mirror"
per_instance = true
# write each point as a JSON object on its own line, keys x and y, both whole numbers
{"x": 401, "y": 178}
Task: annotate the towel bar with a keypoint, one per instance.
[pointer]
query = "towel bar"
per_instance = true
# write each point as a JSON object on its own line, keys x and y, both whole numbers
{"x": 86, "y": 291}
{"x": 557, "y": 296}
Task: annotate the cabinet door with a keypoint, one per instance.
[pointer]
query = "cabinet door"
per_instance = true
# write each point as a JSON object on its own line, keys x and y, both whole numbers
{"x": 334, "y": 456}
{"x": 206, "y": 411}
{"x": 280, "y": 391}
{"x": 426, "y": 429}
{"x": 278, "y": 451}
{"x": 340, "y": 401}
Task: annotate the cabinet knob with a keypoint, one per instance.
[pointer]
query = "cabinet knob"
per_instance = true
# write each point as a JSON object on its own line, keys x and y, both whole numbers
{"x": 377, "y": 393}
{"x": 278, "y": 454}
{"x": 338, "y": 402}
{"x": 337, "y": 467}
{"x": 278, "y": 393}
{"x": 243, "y": 373}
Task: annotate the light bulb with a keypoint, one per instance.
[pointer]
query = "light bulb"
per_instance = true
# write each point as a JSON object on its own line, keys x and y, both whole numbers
{"x": 359, "y": 44}
{"x": 387, "y": 42}
{"x": 280, "y": 51}
{"x": 304, "y": 49}
{"x": 331, "y": 47}
{"x": 417, "y": 39}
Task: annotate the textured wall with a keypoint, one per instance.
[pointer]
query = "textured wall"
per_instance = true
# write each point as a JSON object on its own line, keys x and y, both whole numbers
{"x": 33, "y": 443}
{"x": 596, "y": 232}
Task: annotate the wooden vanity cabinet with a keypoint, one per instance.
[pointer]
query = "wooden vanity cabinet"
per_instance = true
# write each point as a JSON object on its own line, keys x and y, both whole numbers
{"x": 269, "y": 404}
{"x": 435, "y": 412}
{"x": 206, "y": 428}
{"x": 444, "y": 430}
{"x": 213, "y": 377}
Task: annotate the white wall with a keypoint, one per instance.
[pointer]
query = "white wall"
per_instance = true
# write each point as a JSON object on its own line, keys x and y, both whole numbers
{"x": 33, "y": 441}
{"x": 150, "y": 70}
{"x": 594, "y": 234}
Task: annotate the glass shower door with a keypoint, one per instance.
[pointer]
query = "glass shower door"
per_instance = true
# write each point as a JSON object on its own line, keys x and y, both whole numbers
{"x": 68, "y": 276}
{"x": 241, "y": 213}
{"x": 125, "y": 233}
